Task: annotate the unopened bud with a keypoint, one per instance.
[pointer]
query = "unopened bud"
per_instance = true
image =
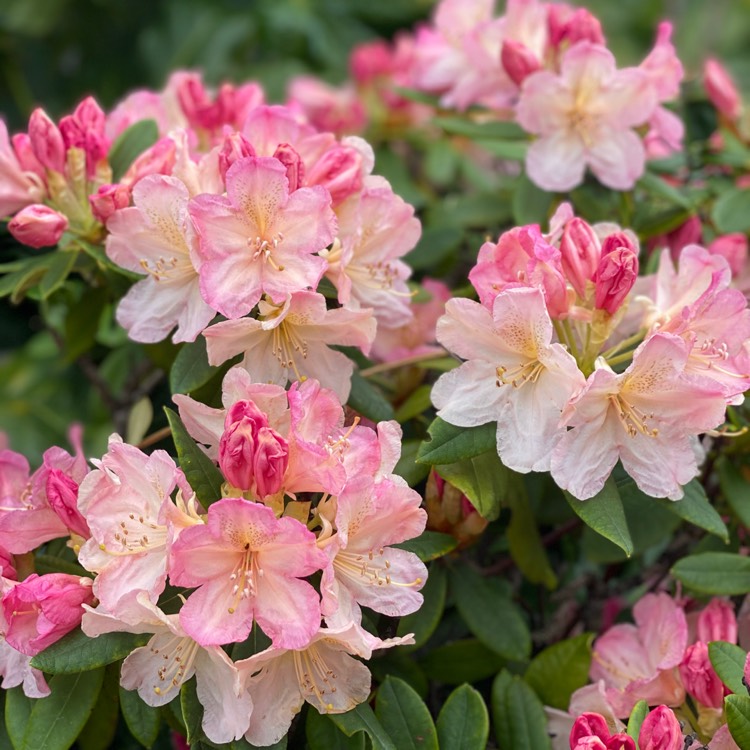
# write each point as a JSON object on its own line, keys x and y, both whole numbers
{"x": 518, "y": 61}
{"x": 717, "y": 622}
{"x": 660, "y": 731}
{"x": 159, "y": 159}
{"x": 47, "y": 141}
{"x": 567, "y": 25}
{"x": 108, "y": 199}
{"x": 588, "y": 725}
{"x": 295, "y": 169}
{"x": 721, "y": 89}
{"x": 616, "y": 273}
{"x": 38, "y": 226}
{"x": 581, "y": 251}
{"x": 699, "y": 677}
{"x": 62, "y": 495}
{"x": 25, "y": 154}
{"x": 235, "y": 147}
{"x": 734, "y": 248}
{"x": 340, "y": 171}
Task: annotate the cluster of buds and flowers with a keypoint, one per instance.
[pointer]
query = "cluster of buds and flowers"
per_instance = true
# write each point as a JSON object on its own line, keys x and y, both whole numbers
{"x": 304, "y": 494}
{"x": 574, "y": 355}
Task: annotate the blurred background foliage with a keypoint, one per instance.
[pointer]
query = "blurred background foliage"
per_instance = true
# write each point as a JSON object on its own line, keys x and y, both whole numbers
{"x": 54, "y": 52}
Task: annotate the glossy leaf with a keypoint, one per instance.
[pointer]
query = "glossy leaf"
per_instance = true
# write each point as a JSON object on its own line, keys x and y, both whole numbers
{"x": 731, "y": 212}
{"x": 142, "y": 720}
{"x": 404, "y": 716}
{"x": 696, "y": 508}
{"x": 99, "y": 731}
{"x": 728, "y": 662}
{"x": 734, "y": 487}
{"x": 737, "y": 708}
{"x": 449, "y": 443}
{"x": 190, "y": 369}
{"x": 17, "y": 712}
{"x": 520, "y": 723}
{"x": 637, "y": 716}
{"x": 322, "y": 734}
{"x": 463, "y": 722}
{"x": 363, "y": 719}
{"x": 130, "y": 144}
{"x": 466, "y": 660}
{"x": 368, "y": 400}
{"x": 525, "y": 542}
{"x": 720, "y": 573}
{"x": 429, "y": 545}
{"x": 483, "y": 479}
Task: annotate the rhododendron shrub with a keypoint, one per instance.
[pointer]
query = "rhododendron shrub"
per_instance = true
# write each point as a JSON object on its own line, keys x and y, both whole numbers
{"x": 405, "y": 410}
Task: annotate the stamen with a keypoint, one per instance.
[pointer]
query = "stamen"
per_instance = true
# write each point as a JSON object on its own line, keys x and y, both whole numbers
{"x": 518, "y": 376}
{"x": 633, "y": 419}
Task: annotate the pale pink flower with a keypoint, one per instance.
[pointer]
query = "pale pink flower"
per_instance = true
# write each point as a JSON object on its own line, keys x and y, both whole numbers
{"x": 143, "y": 105}
{"x": 291, "y": 341}
{"x": 721, "y": 89}
{"x": 260, "y": 239}
{"x": 19, "y": 187}
{"x": 722, "y": 740}
{"x": 155, "y": 237}
{"x": 338, "y": 110}
{"x": 247, "y": 565}
{"x": 584, "y": 116}
{"x": 38, "y": 226}
{"x": 515, "y": 375}
{"x": 733, "y": 248}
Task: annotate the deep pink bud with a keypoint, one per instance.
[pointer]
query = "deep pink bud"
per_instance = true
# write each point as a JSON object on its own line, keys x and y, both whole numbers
{"x": 235, "y": 147}
{"x": 616, "y": 273}
{"x": 252, "y": 455}
{"x": 518, "y": 61}
{"x": 660, "y": 731}
{"x": 588, "y": 725}
{"x": 7, "y": 566}
{"x": 717, "y": 622}
{"x": 25, "y": 154}
{"x": 621, "y": 741}
{"x": 62, "y": 495}
{"x": 589, "y": 743}
{"x": 581, "y": 251}
{"x": 721, "y": 89}
{"x": 340, "y": 171}
{"x": 370, "y": 60}
{"x": 734, "y": 248}
{"x": 42, "y": 609}
{"x": 192, "y": 96}
{"x": 571, "y": 26}
{"x": 295, "y": 169}
{"x": 47, "y": 141}
{"x": 38, "y": 226}
{"x": 108, "y": 199}
{"x": 699, "y": 677}
{"x": 159, "y": 159}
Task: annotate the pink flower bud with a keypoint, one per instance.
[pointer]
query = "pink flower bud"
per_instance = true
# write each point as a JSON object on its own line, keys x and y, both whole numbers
{"x": 589, "y": 743}
{"x": 518, "y": 61}
{"x": 108, "y": 199}
{"x": 84, "y": 129}
{"x": 571, "y": 26}
{"x": 340, "y": 171}
{"x": 47, "y": 141}
{"x": 660, "y": 731}
{"x": 621, "y": 741}
{"x": 25, "y": 155}
{"x": 717, "y": 622}
{"x": 62, "y": 495}
{"x": 734, "y": 248}
{"x": 252, "y": 455}
{"x": 192, "y": 96}
{"x": 370, "y": 60}
{"x": 616, "y": 273}
{"x": 581, "y": 251}
{"x": 159, "y": 159}
{"x": 42, "y": 609}
{"x": 699, "y": 677}
{"x": 38, "y": 226}
{"x": 295, "y": 168}
{"x": 721, "y": 89}
{"x": 235, "y": 147}
{"x": 588, "y": 725}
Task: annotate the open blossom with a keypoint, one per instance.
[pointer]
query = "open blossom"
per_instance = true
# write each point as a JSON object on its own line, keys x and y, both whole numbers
{"x": 19, "y": 187}
{"x": 584, "y": 116}
{"x": 247, "y": 565}
{"x": 514, "y": 375}
{"x": 336, "y": 110}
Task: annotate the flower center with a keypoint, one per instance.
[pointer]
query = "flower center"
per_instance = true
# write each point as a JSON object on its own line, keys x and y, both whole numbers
{"x": 244, "y": 577}
{"x": 371, "y": 566}
{"x": 633, "y": 419}
{"x": 518, "y": 376}
{"x": 287, "y": 341}
{"x": 262, "y": 248}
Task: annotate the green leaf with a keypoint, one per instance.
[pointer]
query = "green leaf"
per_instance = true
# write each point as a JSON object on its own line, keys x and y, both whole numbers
{"x": 485, "y": 481}
{"x": 429, "y": 545}
{"x": 735, "y": 489}
{"x": 466, "y": 660}
{"x": 511, "y": 150}
{"x": 368, "y": 401}
{"x": 524, "y": 541}
{"x": 569, "y": 662}
{"x": 520, "y": 723}
{"x": 531, "y": 204}
{"x": 658, "y": 186}
{"x": 404, "y": 716}
{"x": 490, "y": 614}
{"x": 76, "y": 652}
{"x": 728, "y": 662}
{"x": 362, "y": 719}
{"x": 435, "y": 244}
{"x": 605, "y": 515}
{"x": 696, "y": 508}
{"x": 425, "y": 620}
{"x": 17, "y": 283}
{"x": 56, "y": 720}
{"x": 60, "y": 265}
{"x": 142, "y": 720}
{"x": 102, "y": 724}
{"x": 731, "y": 212}
{"x": 192, "y": 712}
{"x": 17, "y": 712}
{"x": 417, "y": 403}
{"x": 721, "y": 573}
{"x": 130, "y": 144}
{"x": 407, "y": 467}
{"x": 463, "y": 722}
{"x": 449, "y": 443}
{"x": 82, "y": 322}
{"x": 475, "y": 130}
{"x": 5, "y": 742}
{"x": 637, "y": 716}
{"x": 200, "y": 471}
{"x": 322, "y": 734}
{"x": 737, "y": 708}
{"x": 190, "y": 369}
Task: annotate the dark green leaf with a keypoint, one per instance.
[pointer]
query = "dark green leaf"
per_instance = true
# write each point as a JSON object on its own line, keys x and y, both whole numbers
{"x": 5, "y": 742}
{"x": 520, "y": 723}
{"x": 490, "y": 614}
{"x": 569, "y": 662}
{"x": 100, "y": 729}
{"x": 524, "y": 541}
{"x": 735, "y": 489}
{"x": 475, "y": 130}
{"x": 17, "y": 712}
{"x": 404, "y": 716}
{"x": 696, "y": 508}
{"x": 192, "y": 712}
{"x": 56, "y": 720}
{"x": 407, "y": 466}
{"x": 435, "y": 244}
{"x": 200, "y": 471}
{"x": 322, "y": 734}
{"x": 362, "y": 719}
{"x": 461, "y": 661}
{"x": 429, "y": 545}
{"x": 737, "y": 708}
{"x": 731, "y": 212}
{"x": 190, "y": 369}
{"x": 463, "y": 722}
{"x": 449, "y": 443}
{"x": 142, "y": 720}
{"x": 76, "y": 652}
{"x": 131, "y": 144}
{"x": 511, "y": 150}
{"x": 661, "y": 188}
{"x": 52, "y": 564}
{"x": 425, "y": 620}
{"x": 60, "y": 266}
{"x": 82, "y": 322}
{"x": 368, "y": 401}
{"x": 531, "y": 204}
{"x": 605, "y": 515}
{"x": 728, "y": 662}
{"x": 19, "y": 282}
{"x": 720, "y": 573}
{"x": 637, "y": 715}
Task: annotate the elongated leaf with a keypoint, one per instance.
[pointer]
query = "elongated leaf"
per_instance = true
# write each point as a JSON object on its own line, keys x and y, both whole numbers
{"x": 130, "y": 144}
{"x": 363, "y": 719}
{"x": 737, "y": 708}
{"x": 142, "y": 720}
{"x": 449, "y": 443}
{"x": 59, "y": 267}
{"x": 417, "y": 403}
{"x": 696, "y": 508}
{"x": 466, "y": 660}
{"x": 192, "y": 712}
{"x": 17, "y": 283}
{"x": 322, "y": 734}
{"x": 76, "y": 652}
{"x": 490, "y": 614}
{"x": 100, "y": 729}
{"x": 731, "y": 212}
{"x": 531, "y": 204}
{"x": 17, "y": 712}
{"x": 511, "y": 150}
{"x": 56, "y": 720}
{"x": 605, "y": 515}
{"x": 721, "y": 573}
{"x": 425, "y": 620}
{"x": 637, "y": 716}
{"x": 190, "y": 369}
{"x": 5, "y": 742}
{"x": 484, "y": 480}
{"x": 368, "y": 400}
{"x": 463, "y": 722}
{"x": 429, "y": 545}
{"x": 569, "y": 662}
{"x": 734, "y": 487}
{"x": 200, "y": 471}
{"x": 524, "y": 540}
{"x": 728, "y": 662}
{"x": 474, "y": 130}
{"x": 404, "y": 716}
{"x": 407, "y": 466}
{"x": 658, "y": 186}
{"x": 518, "y": 714}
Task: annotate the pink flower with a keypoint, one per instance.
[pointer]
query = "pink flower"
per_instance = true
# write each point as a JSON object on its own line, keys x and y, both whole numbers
{"x": 19, "y": 186}
{"x": 158, "y": 159}
{"x": 616, "y": 273}
{"x": 580, "y": 253}
{"x": 732, "y": 247}
{"x": 42, "y": 609}
{"x": 84, "y": 129}
{"x": 717, "y": 622}
{"x": 584, "y": 117}
{"x": 590, "y": 732}
{"x": 338, "y": 110}
{"x": 38, "y": 226}
{"x": 721, "y": 89}
{"x": 699, "y": 677}
{"x": 108, "y": 199}
{"x": 660, "y": 731}
{"x": 260, "y": 239}
{"x": 247, "y": 565}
